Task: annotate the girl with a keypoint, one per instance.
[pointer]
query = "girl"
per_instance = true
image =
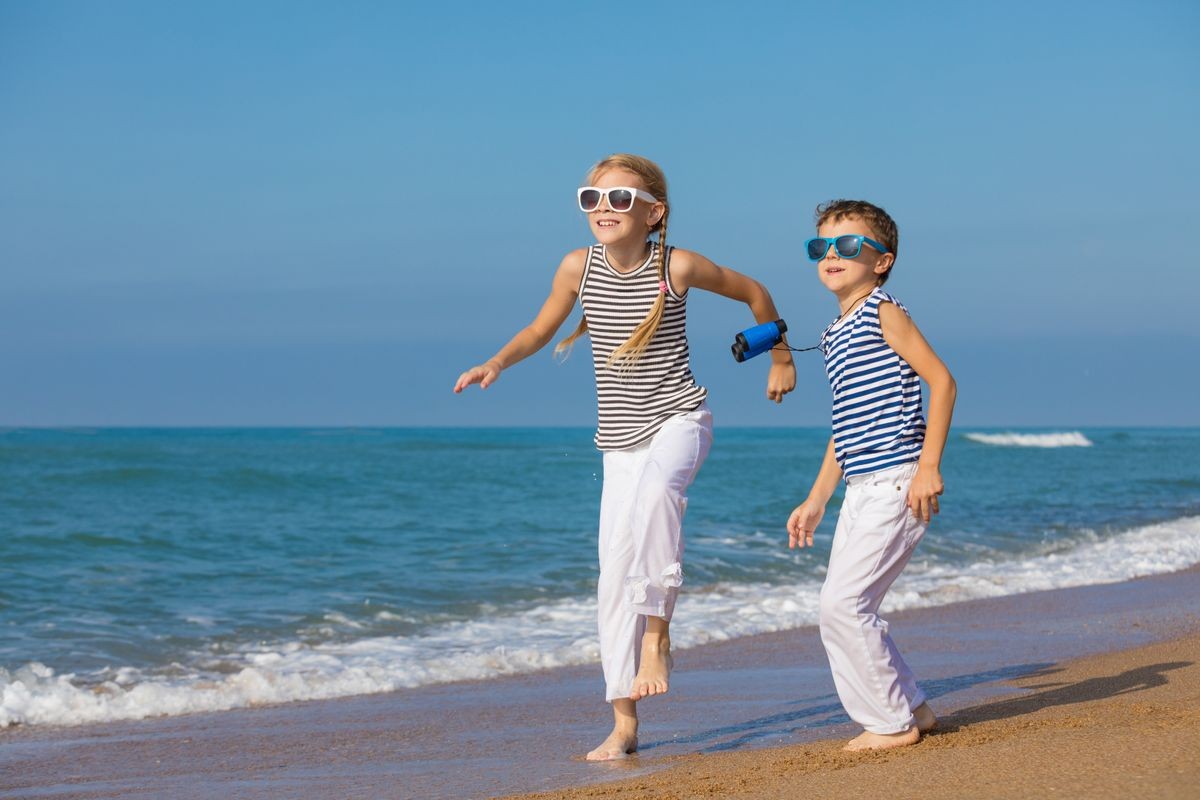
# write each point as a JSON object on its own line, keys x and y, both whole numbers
{"x": 654, "y": 425}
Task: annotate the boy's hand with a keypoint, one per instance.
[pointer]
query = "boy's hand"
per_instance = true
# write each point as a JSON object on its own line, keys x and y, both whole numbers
{"x": 923, "y": 492}
{"x": 803, "y": 523}
{"x": 780, "y": 380}
{"x": 485, "y": 375}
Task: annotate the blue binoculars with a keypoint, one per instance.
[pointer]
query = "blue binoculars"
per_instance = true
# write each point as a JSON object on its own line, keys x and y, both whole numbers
{"x": 758, "y": 339}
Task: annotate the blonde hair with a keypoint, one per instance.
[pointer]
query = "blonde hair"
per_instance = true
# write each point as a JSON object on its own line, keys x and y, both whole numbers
{"x": 654, "y": 182}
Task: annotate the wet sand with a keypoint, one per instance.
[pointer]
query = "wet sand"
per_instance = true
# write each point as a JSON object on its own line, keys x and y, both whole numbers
{"x": 755, "y": 717}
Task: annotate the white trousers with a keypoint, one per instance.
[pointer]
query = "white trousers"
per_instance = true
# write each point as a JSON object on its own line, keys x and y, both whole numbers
{"x": 876, "y": 535}
{"x": 641, "y": 538}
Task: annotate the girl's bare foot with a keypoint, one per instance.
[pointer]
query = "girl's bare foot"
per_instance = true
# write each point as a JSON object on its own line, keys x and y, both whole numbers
{"x": 926, "y": 721}
{"x": 654, "y": 670}
{"x": 619, "y": 744}
{"x": 882, "y": 741}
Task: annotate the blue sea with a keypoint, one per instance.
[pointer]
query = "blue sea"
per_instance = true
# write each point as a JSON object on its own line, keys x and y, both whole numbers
{"x": 158, "y": 572}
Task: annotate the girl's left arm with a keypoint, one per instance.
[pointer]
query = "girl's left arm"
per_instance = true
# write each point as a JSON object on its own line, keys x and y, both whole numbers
{"x": 690, "y": 269}
{"x": 901, "y": 333}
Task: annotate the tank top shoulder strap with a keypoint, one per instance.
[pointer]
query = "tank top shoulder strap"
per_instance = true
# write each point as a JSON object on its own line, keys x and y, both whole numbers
{"x": 667, "y": 272}
{"x": 868, "y": 314}
{"x": 588, "y": 260}
{"x": 884, "y": 297}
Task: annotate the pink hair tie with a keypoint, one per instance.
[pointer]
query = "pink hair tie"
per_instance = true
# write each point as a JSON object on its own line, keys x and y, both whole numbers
{"x": 662, "y": 286}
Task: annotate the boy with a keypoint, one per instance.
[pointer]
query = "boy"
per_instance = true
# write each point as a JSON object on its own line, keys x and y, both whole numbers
{"x": 875, "y": 359}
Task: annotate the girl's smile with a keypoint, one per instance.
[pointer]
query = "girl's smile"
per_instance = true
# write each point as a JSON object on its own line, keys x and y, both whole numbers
{"x": 626, "y": 230}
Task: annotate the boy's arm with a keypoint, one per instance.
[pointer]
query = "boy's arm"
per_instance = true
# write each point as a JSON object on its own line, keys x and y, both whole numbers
{"x": 690, "y": 269}
{"x": 807, "y": 516}
{"x": 534, "y": 336}
{"x": 901, "y": 333}
{"x": 828, "y": 478}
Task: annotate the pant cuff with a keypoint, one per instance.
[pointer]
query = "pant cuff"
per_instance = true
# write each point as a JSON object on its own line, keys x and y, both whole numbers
{"x": 643, "y": 597}
{"x": 654, "y": 598}
{"x": 610, "y": 695}
{"x": 885, "y": 730}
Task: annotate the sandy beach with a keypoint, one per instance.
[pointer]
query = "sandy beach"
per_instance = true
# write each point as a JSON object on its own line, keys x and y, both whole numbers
{"x": 1118, "y": 725}
{"x": 1089, "y": 690}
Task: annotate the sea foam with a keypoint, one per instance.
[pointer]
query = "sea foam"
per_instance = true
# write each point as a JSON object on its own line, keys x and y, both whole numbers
{"x": 1066, "y": 439}
{"x": 560, "y": 633}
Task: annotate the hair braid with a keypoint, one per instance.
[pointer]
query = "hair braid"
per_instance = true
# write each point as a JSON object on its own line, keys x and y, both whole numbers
{"x": 631, "y": 351}
{"x": 563, "y": 348}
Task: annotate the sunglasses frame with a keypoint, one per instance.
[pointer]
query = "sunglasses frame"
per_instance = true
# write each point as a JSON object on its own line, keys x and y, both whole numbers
{"x": 831, "y": 241}
{"x": 638, "y": 194}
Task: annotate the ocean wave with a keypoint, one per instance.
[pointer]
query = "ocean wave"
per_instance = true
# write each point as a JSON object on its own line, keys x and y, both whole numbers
{"x": 1064, "y": 439}
{"x": 549, "y": 635}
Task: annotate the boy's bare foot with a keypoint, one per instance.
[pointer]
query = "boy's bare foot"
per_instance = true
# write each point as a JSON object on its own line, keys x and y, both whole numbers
{"x": 882, "y": 741}
{"x": 617, "y": 745}
{"x": 926, "y": 721}
{"x": 654, "y": 670}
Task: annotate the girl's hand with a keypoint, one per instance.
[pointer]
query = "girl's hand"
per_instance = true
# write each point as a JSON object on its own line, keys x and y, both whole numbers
{"x": 780, "y": 380}
{"x": 485, "y": 375}
{"x": 803, "y": 523}
{"x": 923, "y": 492}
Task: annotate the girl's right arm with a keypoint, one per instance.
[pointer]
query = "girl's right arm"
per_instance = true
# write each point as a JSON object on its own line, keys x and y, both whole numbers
{"x": 534, "y": 336}
{"x": 807, "y": 516}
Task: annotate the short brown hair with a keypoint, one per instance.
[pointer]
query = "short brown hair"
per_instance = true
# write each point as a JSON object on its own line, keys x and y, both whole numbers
{"x": 880, "y": 222}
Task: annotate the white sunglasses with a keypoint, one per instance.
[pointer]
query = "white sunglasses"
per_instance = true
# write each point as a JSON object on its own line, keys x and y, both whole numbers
{"x": 620, "y": 198}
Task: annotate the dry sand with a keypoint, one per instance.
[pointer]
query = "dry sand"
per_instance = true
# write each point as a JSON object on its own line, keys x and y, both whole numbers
{"x": 1117, "y": 725}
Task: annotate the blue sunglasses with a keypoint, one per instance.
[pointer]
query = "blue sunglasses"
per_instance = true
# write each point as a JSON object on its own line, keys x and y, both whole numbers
{"x": 848, "y": 246}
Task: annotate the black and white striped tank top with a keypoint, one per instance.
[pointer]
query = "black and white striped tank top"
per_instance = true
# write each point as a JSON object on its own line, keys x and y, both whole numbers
{"x": 634, "y": 401}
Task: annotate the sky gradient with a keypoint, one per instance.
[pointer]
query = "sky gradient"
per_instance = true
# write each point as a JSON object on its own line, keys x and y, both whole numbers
{"x": 320, "y": 214}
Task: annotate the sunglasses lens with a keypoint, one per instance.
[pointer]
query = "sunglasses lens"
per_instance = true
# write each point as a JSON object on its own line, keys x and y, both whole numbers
{"x": 620, "y": 199}
{"x": 848, "y": 246}
{"x": 816, "y": 249}
{"x": 589, "y": 199}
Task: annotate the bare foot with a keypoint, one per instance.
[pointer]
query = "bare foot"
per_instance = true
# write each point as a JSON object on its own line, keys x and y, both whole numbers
{"x": 926, "y": 721}
{"x": 617, "y": 745}
{"x": 883, "y": 741}
{"x": 654, "y": 671}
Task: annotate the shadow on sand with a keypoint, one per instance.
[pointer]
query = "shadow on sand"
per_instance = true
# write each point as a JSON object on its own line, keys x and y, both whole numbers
{"x": 824, "y": 711}
{"x": 820, "y": 712}
{"x": 1060, "y": 694}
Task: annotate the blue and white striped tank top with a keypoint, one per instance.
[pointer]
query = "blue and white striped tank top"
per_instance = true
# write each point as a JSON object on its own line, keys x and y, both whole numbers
{"x": 632, "y": 404}
{"x": 877, "y": 419}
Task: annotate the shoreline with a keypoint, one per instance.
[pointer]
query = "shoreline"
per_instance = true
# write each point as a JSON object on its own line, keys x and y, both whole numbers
{"x": 735, "y": 698}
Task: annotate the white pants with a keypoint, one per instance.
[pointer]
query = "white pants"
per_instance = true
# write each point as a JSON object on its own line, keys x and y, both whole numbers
{"x": 641, "y": 538}
{"x": 876, "y": 535}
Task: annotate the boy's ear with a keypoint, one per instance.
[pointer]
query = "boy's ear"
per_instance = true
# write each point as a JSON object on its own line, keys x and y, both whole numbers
{"x": 884, "y": 264}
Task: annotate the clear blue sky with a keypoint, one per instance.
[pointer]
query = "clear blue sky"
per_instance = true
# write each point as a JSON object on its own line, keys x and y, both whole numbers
{"x": 299, "y": 213}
